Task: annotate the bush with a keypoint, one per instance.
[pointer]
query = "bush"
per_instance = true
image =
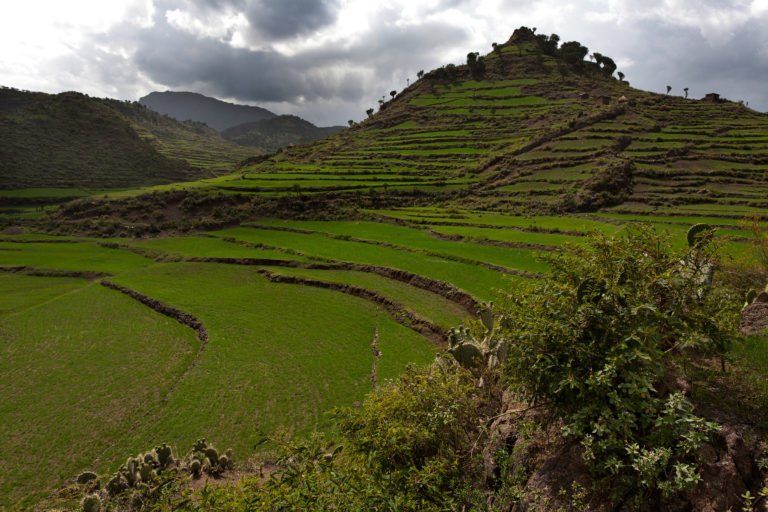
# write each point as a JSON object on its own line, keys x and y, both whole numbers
{"x": 601, "y": 342}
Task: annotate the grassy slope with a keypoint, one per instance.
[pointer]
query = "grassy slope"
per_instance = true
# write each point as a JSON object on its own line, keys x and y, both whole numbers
{"x": 79, "y": 370}
{"x": 72, "y": 141}
{"x": 278, "y": 355}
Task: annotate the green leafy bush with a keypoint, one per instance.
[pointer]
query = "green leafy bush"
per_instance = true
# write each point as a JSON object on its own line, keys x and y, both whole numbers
{"x": 601, "y": 341}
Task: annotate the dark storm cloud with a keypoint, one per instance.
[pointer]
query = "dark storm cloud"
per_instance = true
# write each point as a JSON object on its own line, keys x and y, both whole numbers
{"x": 283, "y": 19}
{"x": 710, "y": 45}
{"x": 181, "y": 60}
{"x": 734, "y": 64}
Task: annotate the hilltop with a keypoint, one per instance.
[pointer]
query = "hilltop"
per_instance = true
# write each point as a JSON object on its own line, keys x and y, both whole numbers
{"x": 71, "y": 140}
{"x": 278, "y": 132}
{"x": 191, "y": 106}
{"x": 242, "y": 124}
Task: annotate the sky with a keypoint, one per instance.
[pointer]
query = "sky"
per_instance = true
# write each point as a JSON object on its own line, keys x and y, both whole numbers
{"x": 330, "y": 60}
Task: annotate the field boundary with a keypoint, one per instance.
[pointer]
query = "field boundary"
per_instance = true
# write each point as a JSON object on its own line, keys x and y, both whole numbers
{"x": 399, "y": 312}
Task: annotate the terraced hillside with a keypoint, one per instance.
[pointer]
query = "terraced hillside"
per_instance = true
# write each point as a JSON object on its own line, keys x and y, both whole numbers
{"x": 562, "y": 138}
{"x": 240, "y": 332}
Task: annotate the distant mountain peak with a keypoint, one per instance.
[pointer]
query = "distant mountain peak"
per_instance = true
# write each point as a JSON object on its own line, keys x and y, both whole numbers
{"x": 193, "y": 106}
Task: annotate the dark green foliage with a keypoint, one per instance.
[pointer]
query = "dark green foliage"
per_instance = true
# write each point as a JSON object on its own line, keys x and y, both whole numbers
{"x": 573, "y": 53}
{"x": 603, "y": 365}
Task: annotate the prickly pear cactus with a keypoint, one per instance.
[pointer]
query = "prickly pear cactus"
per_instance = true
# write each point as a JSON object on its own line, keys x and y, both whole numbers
{"x": 698, "y": 233}
{"x": 164, "y": 455}
{"x": 468, "y": 355}
{"x": 195, "y": 467}
{"x": 86, "y": 477}
{"x": 223, "y": 462}
{"x": 91, "y": 503}
{"x": 487, "y": 317}
{"x": 212, "y": 455}
{"x": 200, "y": 445}
{"x": 117, "y": 484}
{"x": 147, "y": 472}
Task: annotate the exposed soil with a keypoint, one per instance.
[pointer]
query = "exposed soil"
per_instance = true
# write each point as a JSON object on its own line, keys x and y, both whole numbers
{"x": 40, "y": 272}
{"x": 164, "y": 309}
{"x": 754, "y": 319}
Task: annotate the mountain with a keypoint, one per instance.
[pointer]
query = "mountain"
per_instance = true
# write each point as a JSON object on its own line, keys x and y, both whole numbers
{"x": 72, "y": 140}
{"x": 533, "y": 126}
{"x": 278, "y": 132}
{"x": 217, "y": 114}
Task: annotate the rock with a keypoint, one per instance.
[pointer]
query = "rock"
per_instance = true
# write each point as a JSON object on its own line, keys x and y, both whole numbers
{"x": 728, "y": 470}
{"x": 754, "y": 318}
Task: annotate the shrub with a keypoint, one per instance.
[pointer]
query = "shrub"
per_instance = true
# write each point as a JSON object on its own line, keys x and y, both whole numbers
{"x": 600, "y": 342}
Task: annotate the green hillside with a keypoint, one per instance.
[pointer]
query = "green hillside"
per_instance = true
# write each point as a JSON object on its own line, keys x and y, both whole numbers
{"x": 278, "y": 132}
{"x": 72, "y": 141}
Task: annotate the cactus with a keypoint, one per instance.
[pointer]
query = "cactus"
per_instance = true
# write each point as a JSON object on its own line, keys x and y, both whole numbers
{"x": 486, "y": 316}
{"x": 164, "y": 455}
{"x": 195, "y": 467}
{"x": 91, "y": 503}
{"x": 149, "y": 458}
{"x": 131, "y": 471}
{"x": 228, "y": 453}
{"x": 147, "y": 472}
{"x": 468, "y": 355}
{"x": 472, "y": 353}
{"x": 698, "y": 233}
{"x": 200, "y": 445}
{"x": 117, "y": 484}
{"x": 86, "y": 477}
{"x": 212, "y": 455}
{"x": 223, "y": 462}
{"x": 761, "y": 297}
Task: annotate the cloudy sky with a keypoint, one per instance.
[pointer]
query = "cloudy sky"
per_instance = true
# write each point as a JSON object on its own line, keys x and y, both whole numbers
{"x": 329, "y": 60}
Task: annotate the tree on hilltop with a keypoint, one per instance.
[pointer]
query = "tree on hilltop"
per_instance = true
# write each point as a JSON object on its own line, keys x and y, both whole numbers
{"x": 573, "y": 53}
